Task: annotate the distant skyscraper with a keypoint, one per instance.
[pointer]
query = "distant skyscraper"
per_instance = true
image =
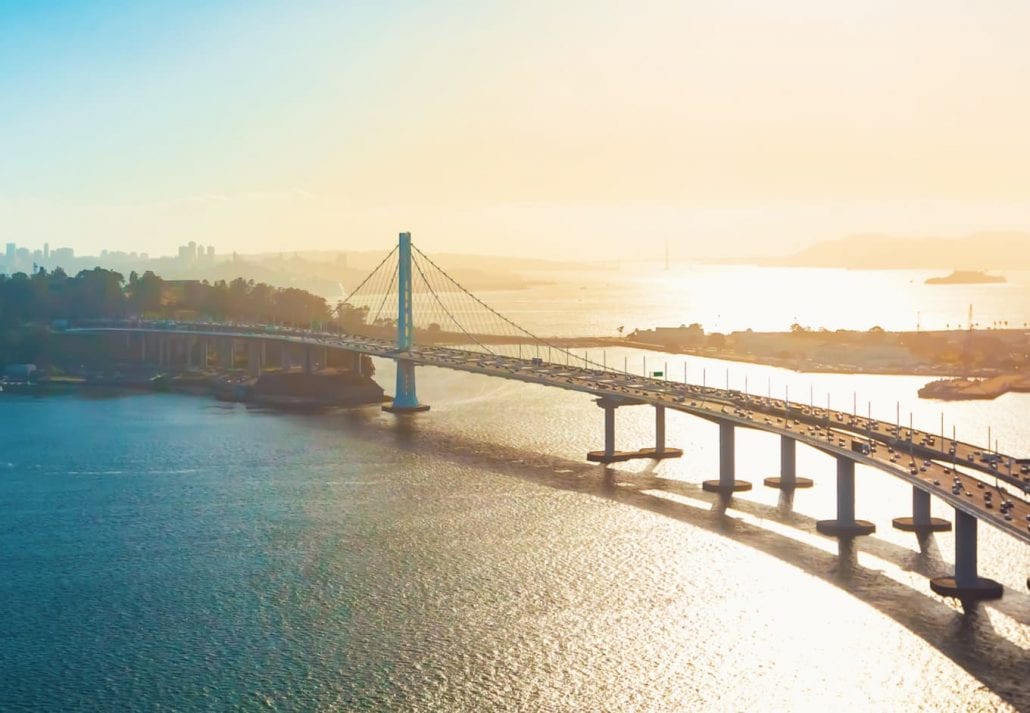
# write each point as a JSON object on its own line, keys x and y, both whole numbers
{"x": 11, "y": 248}
{"x": 192, "y": 254}
{"x": 210, "y": 251}
{"x": 46, "y": 251}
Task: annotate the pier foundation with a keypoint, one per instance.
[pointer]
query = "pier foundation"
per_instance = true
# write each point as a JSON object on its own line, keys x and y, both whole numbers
{"x": 966, "y": 584}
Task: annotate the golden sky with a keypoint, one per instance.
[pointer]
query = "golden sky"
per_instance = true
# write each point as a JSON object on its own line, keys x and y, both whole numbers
{"x": 565, "y": 129}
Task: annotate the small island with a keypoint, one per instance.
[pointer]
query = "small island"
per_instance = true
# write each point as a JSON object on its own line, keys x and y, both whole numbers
{"x": 966, "y": 277}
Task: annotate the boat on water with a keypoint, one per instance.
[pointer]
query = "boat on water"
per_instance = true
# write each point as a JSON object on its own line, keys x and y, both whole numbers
{"x": 966, "y": 277}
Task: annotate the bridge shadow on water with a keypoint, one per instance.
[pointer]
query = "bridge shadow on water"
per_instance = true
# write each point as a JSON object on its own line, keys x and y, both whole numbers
{"x": 965, "y": 635}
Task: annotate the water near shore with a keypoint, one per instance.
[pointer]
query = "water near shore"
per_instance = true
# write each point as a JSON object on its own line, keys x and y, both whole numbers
{"x": 167, "y": 552}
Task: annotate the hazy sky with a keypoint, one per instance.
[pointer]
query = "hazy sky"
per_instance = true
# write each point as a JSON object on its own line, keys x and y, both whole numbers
{"x": 566, "y": 128}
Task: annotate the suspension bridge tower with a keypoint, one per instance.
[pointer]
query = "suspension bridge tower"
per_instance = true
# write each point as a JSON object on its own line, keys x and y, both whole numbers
{"x": 405, "y": 399}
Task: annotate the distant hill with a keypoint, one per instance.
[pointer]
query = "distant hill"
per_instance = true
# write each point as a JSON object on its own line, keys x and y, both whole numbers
{"x": 980, "y": 251}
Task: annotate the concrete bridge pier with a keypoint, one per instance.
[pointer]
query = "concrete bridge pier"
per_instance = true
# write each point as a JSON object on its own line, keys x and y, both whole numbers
{"x": 845, "y": 525}
{"x": 254, "y": 361}
{"x": 204, "y": 353}
{"x": 659, "y": 431}
{"x": 727, "y": 482}
{"x": 143, "y": 348}
{"x": 788, "y": 479}
{"x": 610, "y": 455}
{"x": 609, "y": 428}
{"x": 285, "y": 360}
{"x": 966, "y": 584}
{"x": 309, "y": 360}
{"x": 162, "y": 350}
{"x": 226, "y": 353}
{"x": 188, "y": 343}
{"x": 921, "y": 522}
{"x": 405, "y": 400}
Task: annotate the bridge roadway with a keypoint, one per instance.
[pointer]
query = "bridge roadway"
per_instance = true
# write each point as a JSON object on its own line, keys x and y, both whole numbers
{"x": 917, "y": 457}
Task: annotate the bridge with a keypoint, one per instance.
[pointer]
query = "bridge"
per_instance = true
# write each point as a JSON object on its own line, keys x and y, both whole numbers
{"x": 979, "y": 484}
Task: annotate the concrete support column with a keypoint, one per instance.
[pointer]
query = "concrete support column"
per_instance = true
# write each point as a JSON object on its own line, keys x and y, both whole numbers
{"x": 405, "y": 399}
{"x": 254, "y": 358}
{"x": 284, "y": 356}
{"x": 161, "y": 349}
{"x": 727, "y": 482}
{"x": 325, "y": 357}
{"x": 788, "y": 479}
{"x": 845, "y": 525}
{"x": 965, "y": 548}
{"x": 222, "y": 345}
{"x": 659, "y": 430}
{"x": 609, "y": 429}
{"x": 188, "y": 343}
{"x": 609, "y": 454}
{"x": 727, "y": 453}
{"x": 966, "y": 585}
{"x": 309, "y": 359}
{"x": 845, "y": 491}
{"x": 143, "y": 347}
{"x": 204, "y": 353}
{"x": 921, "y": 521}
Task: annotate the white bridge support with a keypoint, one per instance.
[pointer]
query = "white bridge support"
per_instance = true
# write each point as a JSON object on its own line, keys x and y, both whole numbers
{"x": 610, "y": 455}
{"x": 788, "y": 478}
{"x": 921, "y": 522}
{"x": 966, "y": 584}
{"x": 727, "y": 482}
{"x": 845, "y": 525}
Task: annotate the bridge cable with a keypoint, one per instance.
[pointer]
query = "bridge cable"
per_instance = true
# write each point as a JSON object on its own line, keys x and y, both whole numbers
{"x": 497, "y": 314}
{"x": 444, "y": 307}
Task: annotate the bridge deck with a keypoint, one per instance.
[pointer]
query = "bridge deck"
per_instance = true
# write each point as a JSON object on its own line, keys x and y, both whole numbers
{"x": 917, "y": 457}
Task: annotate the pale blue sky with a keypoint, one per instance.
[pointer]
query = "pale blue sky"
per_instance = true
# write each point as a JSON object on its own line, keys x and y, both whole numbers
{"x": 535, "y": 127}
